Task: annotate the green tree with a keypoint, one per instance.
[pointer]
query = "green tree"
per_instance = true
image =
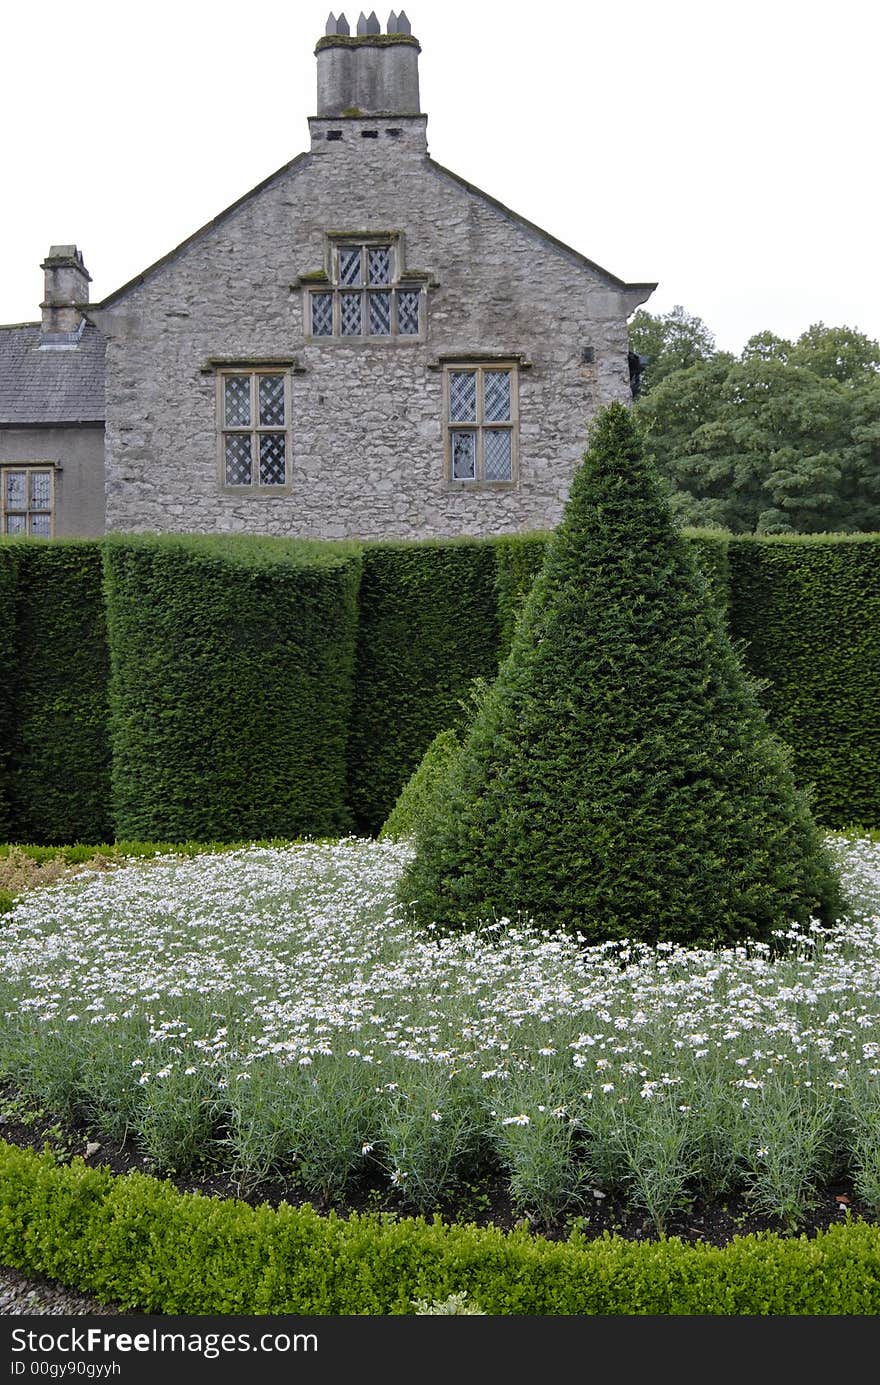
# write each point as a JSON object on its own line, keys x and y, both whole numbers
{"x": 670, "y": 341}
{"x": 837, "y": 353}
{"x": 783, "y": 439}
{"x": 619, "y": 779}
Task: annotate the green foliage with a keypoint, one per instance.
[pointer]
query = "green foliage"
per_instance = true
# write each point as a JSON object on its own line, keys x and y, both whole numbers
{"x": 809, "y": 613}
{"x": 8, "y": 554}
{"x": 140, "y": 1243}
{"x": 57, "y": 746}
{"x": 231, "y": 685}
{"x": 837, "y": 353}
{"x": 518, "y": 560}
{"x": 121, "y": 851}
{"x": 619, "y": 779}
{"x": 453, "y": 1306}
{"x": 785, "y": 439}
{"x": 420, "y": 789}
{"x": 709, "y": 549}
{"x": 671, "y": 341}
{"x": 428, "y": 625}
{"x": 432, "y": 617}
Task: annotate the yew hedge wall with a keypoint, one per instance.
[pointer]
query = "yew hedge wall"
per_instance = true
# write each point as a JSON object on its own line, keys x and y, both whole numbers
{"x": 808, "y": 609}
{"x": 231, "y": 684}
{"x": 428, "y": 625}
{"x": 54, "y": 711}
{"x": 270, "y": 687}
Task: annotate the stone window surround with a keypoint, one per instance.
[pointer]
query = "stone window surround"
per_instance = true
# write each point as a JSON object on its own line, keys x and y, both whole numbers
{"x": 255, "y": 489}
{"x": 481, "y": 365}
{"x": 328, "y": 281}
{"x": 28, "y": 512}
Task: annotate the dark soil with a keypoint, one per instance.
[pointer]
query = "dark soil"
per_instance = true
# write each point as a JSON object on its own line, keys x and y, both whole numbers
{"x": 486, "y": 1204}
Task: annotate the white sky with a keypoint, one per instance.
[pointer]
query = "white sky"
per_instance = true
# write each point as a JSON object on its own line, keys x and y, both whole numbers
{"x": 729, "y": 152}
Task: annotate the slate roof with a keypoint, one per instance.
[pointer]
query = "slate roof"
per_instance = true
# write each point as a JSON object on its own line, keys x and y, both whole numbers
{"x": 42, "y": 383}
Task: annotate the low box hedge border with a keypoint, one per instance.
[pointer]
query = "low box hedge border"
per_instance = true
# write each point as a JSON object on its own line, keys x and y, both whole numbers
{"x": 140, "y": 1243}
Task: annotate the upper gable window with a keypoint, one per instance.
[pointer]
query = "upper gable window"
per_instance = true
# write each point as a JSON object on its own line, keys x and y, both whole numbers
{"x": 28, "y": 496}
{"x": 369, "y": 297}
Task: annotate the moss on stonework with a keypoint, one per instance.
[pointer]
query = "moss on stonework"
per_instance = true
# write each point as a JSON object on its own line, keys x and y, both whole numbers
{"x": 365, "y": 41}
{"x": 314, "y": 276}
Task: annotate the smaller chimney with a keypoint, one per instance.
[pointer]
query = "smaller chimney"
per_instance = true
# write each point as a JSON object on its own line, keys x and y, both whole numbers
{"x": 66, "y": 285}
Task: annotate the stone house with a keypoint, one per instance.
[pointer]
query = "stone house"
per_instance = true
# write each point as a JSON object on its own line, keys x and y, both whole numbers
{"x": 363, "y": 346}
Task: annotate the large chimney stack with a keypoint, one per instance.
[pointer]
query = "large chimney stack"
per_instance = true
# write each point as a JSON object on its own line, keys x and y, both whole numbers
{"x": 66, "y": 286}
{"x": 369, "y": 73}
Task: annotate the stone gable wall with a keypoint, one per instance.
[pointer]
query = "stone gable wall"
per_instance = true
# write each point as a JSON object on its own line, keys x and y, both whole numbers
{"x": 367, "y": 443}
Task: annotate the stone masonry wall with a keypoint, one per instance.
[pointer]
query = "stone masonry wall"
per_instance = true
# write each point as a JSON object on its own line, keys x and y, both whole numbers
{"x": 367, "y": 442}
{"x": 77, "y": 453}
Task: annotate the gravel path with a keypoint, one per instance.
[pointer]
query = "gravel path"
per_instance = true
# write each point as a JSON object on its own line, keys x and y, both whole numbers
{"x": 21, "y": 1295}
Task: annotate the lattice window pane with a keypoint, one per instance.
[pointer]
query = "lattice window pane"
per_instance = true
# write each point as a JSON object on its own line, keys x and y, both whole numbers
{"x": 237, "y": 390}
{"x": 16, "y": 524}
{"x": 322, "y": 314}
{"x": 497, "y": 459}
{"x": 41, "y": 526}
{"x": 464, "y": 454}
{"x": 379, "y": 264}
{"x": 272, "y": 463}
{"x": 15, "y": 490}
{"x": 239, "y": 464}
{"x": 463, "y": 395}
{"x": 408, "y": 312}
{"x": 272, "y": 401}
{"x": 351, "y": 315}
{"x": 380, "y": 314}
{"x": 41, "y": 490}
{"x": 496, "y": 396}
{"x": 350, "y": 265}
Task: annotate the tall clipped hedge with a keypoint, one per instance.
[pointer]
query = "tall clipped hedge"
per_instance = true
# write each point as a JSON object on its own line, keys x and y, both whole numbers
{"x": 432, "y": 616}
{"x": 518, "y": 559}
{"x": 57, "y": 748}
{"x": 428, "y": 624}
{"x": 232, "y": 661}
{"x": 709, "y": 547}
{"x": 7, "y": 675}
{"x": 809, "y": 611}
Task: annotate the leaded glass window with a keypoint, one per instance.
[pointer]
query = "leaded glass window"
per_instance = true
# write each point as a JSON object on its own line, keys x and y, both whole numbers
{"x": 496, "y": 455}
{"x": 408, "y": 312}
{"x": 464, "y": 455}
{"x": 271, "y": 401}
{"x": 463, "y": 396}
{"x": 350, "y": 265}
{"x": 239, "y": 460}
{"x": 27, "y": 496}
{"x": 322, "y": 314}
{"x": 238, "y": 401}
{"x": 481, "y": 422}
{"x": 352, "y": 314}
{"x": 380, "y": 314}
{"x": 255, "y": 429}
{"x": 272, "y": 459}
{"x": 367, "y": 300}
{"x": 379, "y": 264}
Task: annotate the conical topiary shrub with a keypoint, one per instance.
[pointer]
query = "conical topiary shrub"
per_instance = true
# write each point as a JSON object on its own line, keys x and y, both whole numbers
{"x": 619, "y": 778}
{"x": 415, "y": 798}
